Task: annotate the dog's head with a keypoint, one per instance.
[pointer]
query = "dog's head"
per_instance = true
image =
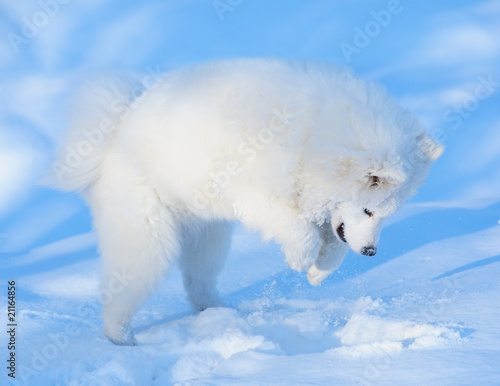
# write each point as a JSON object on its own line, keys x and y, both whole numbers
{"x": 383, "y": 185}
{"x": 364, "y": 157}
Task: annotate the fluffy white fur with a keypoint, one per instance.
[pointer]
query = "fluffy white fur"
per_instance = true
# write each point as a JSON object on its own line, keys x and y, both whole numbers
{"x": 304, "y": 153}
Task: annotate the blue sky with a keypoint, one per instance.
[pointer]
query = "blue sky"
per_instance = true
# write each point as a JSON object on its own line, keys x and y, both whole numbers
{"x": 433, "y": 56}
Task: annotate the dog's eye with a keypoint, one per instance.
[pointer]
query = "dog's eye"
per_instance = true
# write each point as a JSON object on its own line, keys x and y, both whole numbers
{"x": 368, "y": 213}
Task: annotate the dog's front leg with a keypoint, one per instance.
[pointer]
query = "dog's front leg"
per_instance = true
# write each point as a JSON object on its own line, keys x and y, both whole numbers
{"x": 331, "y": 254}
{"x": 275, "y": 219}
{"x": 302, "y": 246}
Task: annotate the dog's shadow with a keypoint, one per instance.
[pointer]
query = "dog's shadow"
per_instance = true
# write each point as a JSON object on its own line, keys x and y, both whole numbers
{"x": 467, "y": 267}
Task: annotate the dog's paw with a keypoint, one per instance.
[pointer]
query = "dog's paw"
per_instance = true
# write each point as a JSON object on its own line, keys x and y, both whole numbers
{"x": 315, "y": 276}
{"x": 330, "y": 257}
{"x": 299, "y": 259}
{"x": 201, "y": 303}
{"x": 120, "y": 335}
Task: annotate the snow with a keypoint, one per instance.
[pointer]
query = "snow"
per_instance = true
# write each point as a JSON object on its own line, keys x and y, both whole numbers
{"x": 424, "y": 310}
{"x": 422, "y": 317}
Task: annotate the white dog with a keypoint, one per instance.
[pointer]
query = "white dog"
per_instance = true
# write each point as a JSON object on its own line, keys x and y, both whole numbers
{"x": 304, "y": 153}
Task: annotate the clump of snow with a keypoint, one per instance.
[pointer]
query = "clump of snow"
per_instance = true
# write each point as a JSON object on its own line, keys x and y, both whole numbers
{"x": 363, "y": 329}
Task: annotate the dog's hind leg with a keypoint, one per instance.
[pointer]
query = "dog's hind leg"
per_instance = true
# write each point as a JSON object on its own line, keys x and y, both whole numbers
{"x": 139, "y": 237}
{"x": 204, "y": 250}
{"x": 331, "y": 255}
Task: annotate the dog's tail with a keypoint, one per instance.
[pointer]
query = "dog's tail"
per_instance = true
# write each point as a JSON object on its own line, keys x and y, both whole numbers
{"x": 99, "y": 111}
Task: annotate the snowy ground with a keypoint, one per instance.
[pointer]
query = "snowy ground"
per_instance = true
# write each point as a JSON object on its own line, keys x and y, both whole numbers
{"x": 424, "y": 310}
{"x": 427, "y": 316}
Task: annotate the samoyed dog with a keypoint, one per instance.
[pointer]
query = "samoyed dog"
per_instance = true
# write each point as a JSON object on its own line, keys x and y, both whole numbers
{"x": 304, "y": 153}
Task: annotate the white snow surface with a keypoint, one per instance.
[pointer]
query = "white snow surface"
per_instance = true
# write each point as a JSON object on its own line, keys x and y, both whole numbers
{"x": 428, "y": 316}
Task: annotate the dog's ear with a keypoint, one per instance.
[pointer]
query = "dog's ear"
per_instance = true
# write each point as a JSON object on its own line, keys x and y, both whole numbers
{"x": 430, "y": 149}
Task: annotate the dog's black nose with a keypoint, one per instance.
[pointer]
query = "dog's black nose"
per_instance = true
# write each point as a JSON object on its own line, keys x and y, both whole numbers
{"x": 369, "y": 251}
